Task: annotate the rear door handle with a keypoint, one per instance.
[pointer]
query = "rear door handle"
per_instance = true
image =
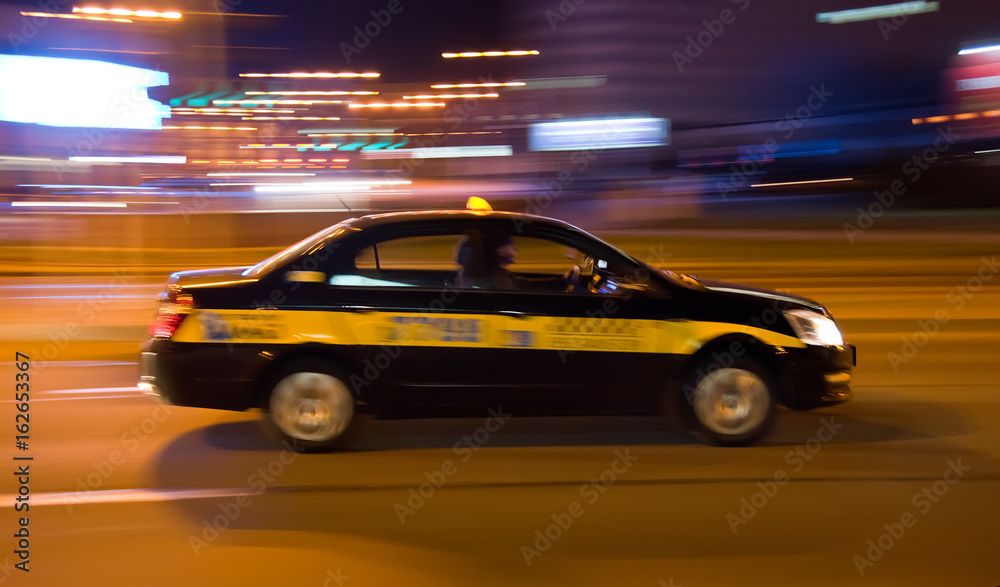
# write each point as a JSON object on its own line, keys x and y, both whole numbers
{"x": 517, "y": 314}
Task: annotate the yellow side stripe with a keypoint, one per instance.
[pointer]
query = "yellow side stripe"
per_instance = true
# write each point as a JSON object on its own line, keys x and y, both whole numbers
{"x": 487, "y": 331}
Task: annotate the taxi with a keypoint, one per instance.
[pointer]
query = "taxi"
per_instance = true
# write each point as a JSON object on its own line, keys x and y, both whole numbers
{"x": 457, "y": 312}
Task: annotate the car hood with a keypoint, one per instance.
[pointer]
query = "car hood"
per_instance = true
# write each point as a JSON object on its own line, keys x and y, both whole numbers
{"x": 209, "y": 277}
{"x": 756, "y": 292}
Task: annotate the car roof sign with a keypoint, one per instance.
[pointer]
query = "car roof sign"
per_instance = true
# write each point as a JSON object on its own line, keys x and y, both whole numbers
{"x": 478, "y": 204}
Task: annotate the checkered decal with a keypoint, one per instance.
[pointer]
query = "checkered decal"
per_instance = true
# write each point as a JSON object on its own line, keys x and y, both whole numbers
{"x": 594, "y": 327}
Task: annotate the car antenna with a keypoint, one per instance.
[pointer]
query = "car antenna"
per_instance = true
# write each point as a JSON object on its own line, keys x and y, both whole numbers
{"x": 344, "y": 204}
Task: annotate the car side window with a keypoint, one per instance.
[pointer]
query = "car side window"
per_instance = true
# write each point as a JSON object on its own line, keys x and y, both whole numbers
{"x": 544, "y": 263}
{"x": 414, "y": 261}
{"x": 540, "y": 257}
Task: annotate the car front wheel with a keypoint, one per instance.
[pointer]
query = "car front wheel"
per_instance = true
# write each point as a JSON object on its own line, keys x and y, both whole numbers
{"x": 729, "y": 406}
{"x": 310, "y": 406}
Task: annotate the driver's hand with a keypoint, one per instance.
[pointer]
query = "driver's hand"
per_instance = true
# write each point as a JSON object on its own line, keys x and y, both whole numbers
{"x": 572, "y": 277}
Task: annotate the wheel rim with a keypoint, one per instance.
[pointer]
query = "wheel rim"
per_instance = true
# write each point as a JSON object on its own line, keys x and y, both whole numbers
{"x": 312, "y": 406}
{"x": 731, "y": 401}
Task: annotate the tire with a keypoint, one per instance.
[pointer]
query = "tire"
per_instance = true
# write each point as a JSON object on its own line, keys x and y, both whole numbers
{"x": 728, "y": 406}
{"x": 310, "y": 406}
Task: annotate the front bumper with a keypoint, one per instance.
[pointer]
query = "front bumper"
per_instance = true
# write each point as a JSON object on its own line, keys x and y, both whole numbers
{"x": 816, "y": 376}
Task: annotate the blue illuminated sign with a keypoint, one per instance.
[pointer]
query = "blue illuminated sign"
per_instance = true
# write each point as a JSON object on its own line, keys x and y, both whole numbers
{"x": 79, "y": 92}
{"x": 598, "y": 133}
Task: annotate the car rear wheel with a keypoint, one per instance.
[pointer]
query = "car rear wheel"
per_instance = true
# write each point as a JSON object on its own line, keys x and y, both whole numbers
{"x": 311, "y": 406}
{"x": 729, "y": 406}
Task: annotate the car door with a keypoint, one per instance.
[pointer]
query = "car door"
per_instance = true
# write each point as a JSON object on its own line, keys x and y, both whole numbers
{"x": 593, "y": 349}
{"x": 423, "y": 341}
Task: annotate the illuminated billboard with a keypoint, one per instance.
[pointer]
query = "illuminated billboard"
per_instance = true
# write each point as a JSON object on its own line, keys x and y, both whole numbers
{"x": 79, "y": 93}
{"x": 599, "y": 133}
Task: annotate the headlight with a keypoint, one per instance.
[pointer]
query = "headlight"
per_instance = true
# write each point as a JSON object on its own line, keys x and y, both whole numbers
{"x": 813, "y": 328}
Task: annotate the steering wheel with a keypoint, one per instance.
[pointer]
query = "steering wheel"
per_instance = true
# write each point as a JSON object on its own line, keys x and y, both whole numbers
{"x": 572, "y": 278}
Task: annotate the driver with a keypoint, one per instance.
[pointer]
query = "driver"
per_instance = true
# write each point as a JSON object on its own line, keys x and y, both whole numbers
{"x": 504, "y": 254}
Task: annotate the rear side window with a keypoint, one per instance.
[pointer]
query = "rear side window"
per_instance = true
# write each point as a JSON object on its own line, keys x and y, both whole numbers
{"x": 416, "y": 261}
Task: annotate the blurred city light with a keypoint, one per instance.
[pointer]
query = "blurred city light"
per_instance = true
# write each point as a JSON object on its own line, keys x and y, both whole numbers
{"x": 170, "y": 15}
{"x": 291, "y": 118}
{"x": 479, "y": 85}
{"x": 281, "y": 102}
{"x": 78, "y": 92}
{"x": 877, "y": 12}
{"x": 69, "y": 204}
{"x": 974, "y": 50}
{"x": 74, "y": 17}
{"x": 441, "y": 152}
{"x": 449, "y": 96}
{"x": 209, "y": 128}
{"x": 805, "y": 182}
{"x": 489, "y": 54}
{"x": 51, "y": 186}
{"x": 168, "y": 159}
{"x": 321, "y": 74}
{"x": 314, "y": 93}
{"x": 399, "y": 105}
{"x": 598, "y": 133}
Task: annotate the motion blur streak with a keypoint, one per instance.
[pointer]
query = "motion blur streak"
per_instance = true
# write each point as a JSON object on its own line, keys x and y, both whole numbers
{"x": 847, "y": 152}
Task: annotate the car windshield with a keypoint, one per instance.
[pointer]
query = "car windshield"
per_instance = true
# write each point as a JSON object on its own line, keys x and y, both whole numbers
{"x": 296, "y": 250}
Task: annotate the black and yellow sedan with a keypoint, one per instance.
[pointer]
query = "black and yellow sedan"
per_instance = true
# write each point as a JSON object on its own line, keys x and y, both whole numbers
{"x": 455, "y": 312}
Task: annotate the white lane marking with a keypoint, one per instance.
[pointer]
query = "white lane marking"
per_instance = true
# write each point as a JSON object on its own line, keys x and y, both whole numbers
{"x": 51, "y": 364}
{"x": 84, "y": 394}
{"x": 67, "y": 399}
{"x": 123, "y": 496}
{"x": 79, "y": 297}
{"x": 104, "y": 390}
{"x": 72, "y": 286}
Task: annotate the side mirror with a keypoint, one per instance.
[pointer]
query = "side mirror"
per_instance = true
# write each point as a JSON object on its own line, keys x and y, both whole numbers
{"x": 305, "y": 277}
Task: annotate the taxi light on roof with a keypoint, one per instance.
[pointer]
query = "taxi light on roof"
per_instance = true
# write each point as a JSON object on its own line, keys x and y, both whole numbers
{"x": 479, "y": 204}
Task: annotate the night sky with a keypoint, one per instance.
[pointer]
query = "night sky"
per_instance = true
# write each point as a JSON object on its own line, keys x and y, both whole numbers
{"x": 407, "y": 49}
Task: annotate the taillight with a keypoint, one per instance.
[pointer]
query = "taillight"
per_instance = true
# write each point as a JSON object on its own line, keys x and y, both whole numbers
{"x": 170, "y": 314}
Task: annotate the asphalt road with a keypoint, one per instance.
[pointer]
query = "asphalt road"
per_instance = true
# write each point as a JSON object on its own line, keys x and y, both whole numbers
{"x": 898, "y": 486}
